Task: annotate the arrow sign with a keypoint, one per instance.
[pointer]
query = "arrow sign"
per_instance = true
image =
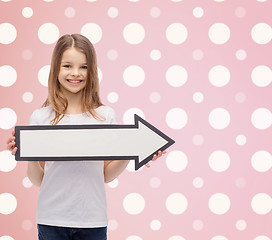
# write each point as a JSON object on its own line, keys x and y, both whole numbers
{"x": 91, "y": 142}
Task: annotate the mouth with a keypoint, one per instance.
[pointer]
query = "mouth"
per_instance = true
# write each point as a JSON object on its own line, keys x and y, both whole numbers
{"x": 74, "y": 81}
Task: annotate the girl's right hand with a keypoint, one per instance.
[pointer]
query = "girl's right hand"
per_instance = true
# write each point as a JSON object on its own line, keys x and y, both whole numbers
{"x": 11, "y": 143}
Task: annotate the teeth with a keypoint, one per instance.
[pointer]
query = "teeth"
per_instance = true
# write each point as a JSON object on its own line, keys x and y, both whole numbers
{"x": 74, "y": 81}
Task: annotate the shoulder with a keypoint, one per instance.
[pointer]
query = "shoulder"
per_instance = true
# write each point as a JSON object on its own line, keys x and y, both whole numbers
{"x": 41, "y": 116}
{"x": 108, "y": 113}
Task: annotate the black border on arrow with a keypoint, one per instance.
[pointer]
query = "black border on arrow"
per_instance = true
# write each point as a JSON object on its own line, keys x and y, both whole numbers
{"x": 137, "y": 119}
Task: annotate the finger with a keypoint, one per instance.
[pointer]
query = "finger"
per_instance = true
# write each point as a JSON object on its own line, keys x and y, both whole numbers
{"x": 13, "y": 132}
{"x": 11, "y": 146}
{"x": 147, "y": 165}
{"x": 13, "y": 152}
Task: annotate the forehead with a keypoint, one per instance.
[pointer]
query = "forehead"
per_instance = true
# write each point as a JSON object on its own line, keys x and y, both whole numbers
{"x": 73, "y": 55}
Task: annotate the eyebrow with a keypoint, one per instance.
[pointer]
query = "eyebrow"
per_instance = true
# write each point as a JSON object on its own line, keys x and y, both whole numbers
{"x": 70, "y": 62}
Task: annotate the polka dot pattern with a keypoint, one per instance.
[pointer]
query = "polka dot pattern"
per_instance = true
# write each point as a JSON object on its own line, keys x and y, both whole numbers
{"x": 200, "y": 72}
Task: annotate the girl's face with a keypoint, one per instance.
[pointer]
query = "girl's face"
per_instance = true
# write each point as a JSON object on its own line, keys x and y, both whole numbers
{"x": 73, "y": 71}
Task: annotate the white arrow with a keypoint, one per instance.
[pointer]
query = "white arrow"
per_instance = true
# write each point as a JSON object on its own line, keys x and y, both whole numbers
{"x": 91, "y": 142}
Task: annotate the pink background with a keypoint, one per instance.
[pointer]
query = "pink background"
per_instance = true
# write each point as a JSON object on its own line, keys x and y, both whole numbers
{"x": 187, "y": 194}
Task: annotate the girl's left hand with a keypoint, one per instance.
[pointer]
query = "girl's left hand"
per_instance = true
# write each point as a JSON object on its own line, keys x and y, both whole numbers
{"x": 155, "y": 157}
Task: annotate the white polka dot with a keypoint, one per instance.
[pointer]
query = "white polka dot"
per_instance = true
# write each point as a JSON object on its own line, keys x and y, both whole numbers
{"x": 219, "y": 0}
{"x": 241, "y": 225}
{"x": 6, "y": 237}
{"x": 241, "y": 54}
{"x": 198, "y": 140}
{"x": 198, "y": 97}
{"x": 261, "y": 118}
{"x": 155, "y": 12}
{"x": 219, "y": 238}
{"x": 113, "y": 12}
{"x": 134, "y": 203}
{"x": 114, "y": 183}
{"x": 8, "y": 162}
{"x": 92, "y": 31}
{"x": 27, "y": 54}
{"x": 8, "y": 118}
{"x": 176, "y": 33}
{"x": 134, "y": 33}
{"x": 155, "y": 97}
{"x": 155, "y": 182}
{"x": 176, "y": 0}
{"x": 100, "y": 74}
{"x": 198, "y": 225}
{"x": 176, "y": 237}
{"x": 134, "y": 0}
{"x": 261, "y": 203}
{"x": 27, "y": 12}
{"x": 8, "y": 203}
{"x": 219, "y": 118}
{"x": 27, "y": 225}
{"x": 219, "y": 203}
{"x": 113, "y": 97}
{"x": 128, "y": 117}
{"x": 48, "y": 33}
{"x": 91, "y": 0}
{"x": 219, "y": 161}
{"x": 261, "y": 161}
{"x": 176, "y": 118}
{"x": 176, "y": 203}
{"x": 70, "y": 12}
{"x": 6, "y": 0}
{"x": 134, "y": 76}
{"x": 240, "y": 97}
{"x": 155, "y": 225}
{"x": 134, "y": 237}
{"x": 112, "y": 224}
{"x": 112, "y": 54}
{"x": 219, "y": 76}
{"x": 241, "y": 140}
{"x": 48, "y": 0}
{"x": 8, "y": 76}
{"x": 198, "y": 182}
{"x": 198, "y": 54}
{"x": 176, "y": 161}
{"x": 261, "y": 33}
{"x": 155, "y": 54}
{"x": 176, "y": 76}
{"x": 261, "y": 76}
{"x": 27, "y": 183}
{"x": 262, "y": 237}
{"x": 219, "y": 33}
{"x": 262, "y": 0}
{"x": 198, "y": 12}
{"x": 43, "y": 75}
{"x": 27, "y": 97}
{"x": 8, "y": 33}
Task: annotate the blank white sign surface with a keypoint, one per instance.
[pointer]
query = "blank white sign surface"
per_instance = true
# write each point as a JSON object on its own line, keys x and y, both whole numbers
{"x": 91, "y": 142}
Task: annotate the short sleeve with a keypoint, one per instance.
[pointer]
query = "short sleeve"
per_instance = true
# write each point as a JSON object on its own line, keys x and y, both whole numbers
{"x": 112, "y": 119}
{"x": 34, "y": 118}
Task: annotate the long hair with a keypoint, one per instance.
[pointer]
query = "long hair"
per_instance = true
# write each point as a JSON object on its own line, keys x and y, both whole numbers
{"x": 90, "y": 96}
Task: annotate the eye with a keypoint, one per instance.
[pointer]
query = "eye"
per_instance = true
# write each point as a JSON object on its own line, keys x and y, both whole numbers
{"x": 66, "y": 66}
{"x": 84, "y": 67}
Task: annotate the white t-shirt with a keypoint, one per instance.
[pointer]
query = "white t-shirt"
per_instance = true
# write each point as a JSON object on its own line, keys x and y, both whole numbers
{"x": 72, "y": 193}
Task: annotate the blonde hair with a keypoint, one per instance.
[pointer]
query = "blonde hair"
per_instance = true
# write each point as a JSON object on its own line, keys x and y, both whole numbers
{"x": 90, "y": 96}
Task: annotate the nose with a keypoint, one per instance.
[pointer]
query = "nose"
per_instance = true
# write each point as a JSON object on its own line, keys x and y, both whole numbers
{"x": 75, "y": 72}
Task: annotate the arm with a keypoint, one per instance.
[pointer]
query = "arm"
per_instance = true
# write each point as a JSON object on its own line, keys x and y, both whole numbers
{"x": 35, "y": 172}
{"x": 112, "y": 169}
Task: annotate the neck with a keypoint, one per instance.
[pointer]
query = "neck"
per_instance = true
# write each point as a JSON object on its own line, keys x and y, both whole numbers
{"x": 74, "y": 103}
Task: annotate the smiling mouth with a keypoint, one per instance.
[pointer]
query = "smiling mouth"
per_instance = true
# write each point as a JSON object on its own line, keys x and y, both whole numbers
{"x": 74, "y": 80}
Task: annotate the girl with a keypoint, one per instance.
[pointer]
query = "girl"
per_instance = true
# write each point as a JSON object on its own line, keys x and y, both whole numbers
{"x": 72, "y": 201}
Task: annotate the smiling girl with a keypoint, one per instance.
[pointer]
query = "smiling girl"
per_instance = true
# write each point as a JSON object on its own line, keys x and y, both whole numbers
{"x": 72, "y": 199}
